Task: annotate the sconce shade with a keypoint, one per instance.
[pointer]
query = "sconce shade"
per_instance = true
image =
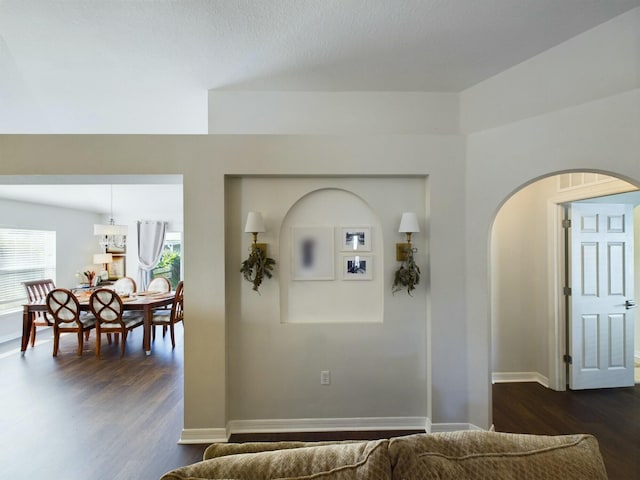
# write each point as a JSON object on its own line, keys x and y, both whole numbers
{"x": 409, "y": 223}
{"x": 100, "y": 258}
{"x": 255, "y": 223}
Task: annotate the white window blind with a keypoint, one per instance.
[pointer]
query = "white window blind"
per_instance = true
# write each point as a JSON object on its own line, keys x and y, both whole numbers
{"x": 24, "y": 255}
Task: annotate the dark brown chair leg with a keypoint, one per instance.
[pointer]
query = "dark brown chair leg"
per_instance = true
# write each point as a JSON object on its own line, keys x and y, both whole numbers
{"x": 173, "y": 335}
{"x": 56, "y": 341}
{"x": 33, "y": 334}
{"x": 124, "y": 343}
{"x": 80, "y": 342}
{"x": 98, "y": 335}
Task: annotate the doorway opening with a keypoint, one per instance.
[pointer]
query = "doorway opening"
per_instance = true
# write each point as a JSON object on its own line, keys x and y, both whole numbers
{"x": 527, "y": 263}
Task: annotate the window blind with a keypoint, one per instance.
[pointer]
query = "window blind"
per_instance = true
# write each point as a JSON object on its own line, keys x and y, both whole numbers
{"x": 24, "y": 255}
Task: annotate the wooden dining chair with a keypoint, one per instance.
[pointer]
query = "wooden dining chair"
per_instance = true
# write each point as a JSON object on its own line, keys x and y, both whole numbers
{"x": 159, "y": 284}
{"x": 107, "y": 308}
{"x": 170, "y": 318}
{"x": 64, "y": 308}
{"x": 125, "y": 286}
{"x": 37, "y": 291}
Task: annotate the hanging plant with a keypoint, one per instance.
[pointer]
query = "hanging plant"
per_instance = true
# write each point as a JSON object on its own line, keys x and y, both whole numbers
{"x": 256, "y": 267}
{"x": 408, "y": 275}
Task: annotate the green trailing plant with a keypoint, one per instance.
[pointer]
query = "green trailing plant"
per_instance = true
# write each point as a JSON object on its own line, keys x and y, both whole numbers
{"x": 408, "y": 275}
{"x": 256, "y": 267}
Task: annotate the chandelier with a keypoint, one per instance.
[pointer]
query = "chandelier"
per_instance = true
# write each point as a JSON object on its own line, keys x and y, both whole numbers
{"x": 112, "y": 236}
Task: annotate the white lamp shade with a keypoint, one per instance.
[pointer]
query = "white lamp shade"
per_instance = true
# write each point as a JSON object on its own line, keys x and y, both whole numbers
{"x": 104, "y": 230}
{"x": 409, "y": 223}
{"x": 255, "y": 223}
{"x": 100, "y": 258}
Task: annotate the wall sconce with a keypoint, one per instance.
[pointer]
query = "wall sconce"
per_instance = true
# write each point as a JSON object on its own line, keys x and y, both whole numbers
{"x": 255, "y": 225}
{"x": 408, "y": 225}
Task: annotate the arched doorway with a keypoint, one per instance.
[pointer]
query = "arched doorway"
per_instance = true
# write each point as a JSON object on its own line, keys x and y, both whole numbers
{"x": 527, "y": 322}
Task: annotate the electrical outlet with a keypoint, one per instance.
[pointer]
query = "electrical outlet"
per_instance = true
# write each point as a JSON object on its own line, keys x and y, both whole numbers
{"x": 325, "y": 377}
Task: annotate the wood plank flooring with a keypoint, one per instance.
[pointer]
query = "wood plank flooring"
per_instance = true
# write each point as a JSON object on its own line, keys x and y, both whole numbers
{"x": 111, "y": 418}
{"x": 83, "y": 417}
{"x": 611, "y": 415}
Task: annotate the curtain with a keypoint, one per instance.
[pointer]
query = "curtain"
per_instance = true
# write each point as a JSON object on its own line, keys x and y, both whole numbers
{"x": 150, "y": 243}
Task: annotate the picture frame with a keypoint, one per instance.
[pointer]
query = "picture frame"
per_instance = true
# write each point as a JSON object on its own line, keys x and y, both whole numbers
{"x": 313, "y": 255}
{"x": 355, "y": 239}
{"x": 357, "y": 267}
{"x": 117, "y": 268}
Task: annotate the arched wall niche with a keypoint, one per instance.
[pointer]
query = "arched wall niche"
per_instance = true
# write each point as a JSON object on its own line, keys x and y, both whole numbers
{"x": 379, "y": 367}
{"x": 330, "y": 294}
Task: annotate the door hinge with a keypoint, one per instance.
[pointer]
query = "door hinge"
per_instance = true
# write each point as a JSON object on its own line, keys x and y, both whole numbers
{"x": 567, "y": 291}
{"x": 566, "y": 223}
{"x": 567, "y": 359}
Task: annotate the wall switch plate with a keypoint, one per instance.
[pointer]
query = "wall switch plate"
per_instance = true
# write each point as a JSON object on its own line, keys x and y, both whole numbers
{"x": 325, "y": 377}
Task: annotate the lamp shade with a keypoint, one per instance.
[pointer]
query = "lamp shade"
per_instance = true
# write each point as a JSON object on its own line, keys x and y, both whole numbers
{"x": 104, "y": 230}
{"x": 255, "y": 223}
{"x": 100, "y": 258}
{"x": 409, "y": 223}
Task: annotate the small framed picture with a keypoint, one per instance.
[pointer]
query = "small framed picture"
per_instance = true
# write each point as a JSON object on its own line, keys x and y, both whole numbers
{"x": 356, "y": 239}
{"x": 357, "y": 267}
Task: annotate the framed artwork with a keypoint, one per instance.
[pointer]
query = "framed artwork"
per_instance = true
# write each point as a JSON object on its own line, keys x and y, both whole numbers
{"x": 355, "y": 239}
{"x": 313, "y": 253}
{"x": 116, "y": 269}
{"x": 357, "y": 267}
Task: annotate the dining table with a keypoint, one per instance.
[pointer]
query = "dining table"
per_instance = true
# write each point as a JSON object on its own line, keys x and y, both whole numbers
{"x": 146, "y": 302}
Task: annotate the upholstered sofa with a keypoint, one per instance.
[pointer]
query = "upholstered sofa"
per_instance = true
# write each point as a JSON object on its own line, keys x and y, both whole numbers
{"x": 452, "y": 455}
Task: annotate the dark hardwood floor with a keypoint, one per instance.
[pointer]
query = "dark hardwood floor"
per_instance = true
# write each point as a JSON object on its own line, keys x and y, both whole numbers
{"x": 110, "y": 418}
{"x": 83, "y": 417}
{"x": 611, "y": 415}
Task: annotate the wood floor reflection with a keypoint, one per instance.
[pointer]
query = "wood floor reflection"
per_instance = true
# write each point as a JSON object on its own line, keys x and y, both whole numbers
{"x": 87, "y": 417}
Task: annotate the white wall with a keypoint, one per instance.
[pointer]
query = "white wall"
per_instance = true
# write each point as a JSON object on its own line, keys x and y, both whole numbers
{"x": 378, "y": 361}
{"x": 536, "y": 132}
{"x": 206, "y": 161}
{"x": 636, "y": 233}
{"x": 519, "y": 283}
{"x": 599, "y": 63}
{"x": 338, "y": 113}
{"x": 75, "y": 245}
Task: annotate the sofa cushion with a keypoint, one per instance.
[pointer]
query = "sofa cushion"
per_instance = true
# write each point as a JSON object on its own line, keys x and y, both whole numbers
{"x": 475, "y": 454}
{"x": 282, "y": 460}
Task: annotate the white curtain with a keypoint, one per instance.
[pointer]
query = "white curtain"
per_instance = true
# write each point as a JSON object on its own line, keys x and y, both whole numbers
{"x": 150, "y": 242}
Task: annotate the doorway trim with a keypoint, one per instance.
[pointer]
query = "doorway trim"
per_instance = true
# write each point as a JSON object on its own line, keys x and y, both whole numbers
{"x": 556, "y": 258}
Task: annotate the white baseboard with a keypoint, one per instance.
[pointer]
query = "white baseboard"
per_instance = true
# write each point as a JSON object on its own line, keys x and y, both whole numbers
{"x": 451, "y": 427}
{"x": 221, "y": 435}
{"x": 204, "y": 435}
{"x": 513, "y": 377}
{"x": 327, "y": 424}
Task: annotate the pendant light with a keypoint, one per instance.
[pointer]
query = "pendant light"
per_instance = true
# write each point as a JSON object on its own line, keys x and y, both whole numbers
{"x": 112, "y": 236}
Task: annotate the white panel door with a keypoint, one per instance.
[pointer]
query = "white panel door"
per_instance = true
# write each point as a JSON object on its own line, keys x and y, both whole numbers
{"x": 601, "y": 314}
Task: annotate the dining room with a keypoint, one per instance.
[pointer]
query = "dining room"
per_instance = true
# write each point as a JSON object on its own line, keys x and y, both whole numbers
{"x": 53, "y": 227}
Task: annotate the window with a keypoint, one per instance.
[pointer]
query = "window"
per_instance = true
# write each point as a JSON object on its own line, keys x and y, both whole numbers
{"x": 24, "y": 255}
{"x": 169, "y": 264}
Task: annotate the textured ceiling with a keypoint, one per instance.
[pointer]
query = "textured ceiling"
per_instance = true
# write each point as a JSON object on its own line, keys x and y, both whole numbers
{"x": 145, "y": 66}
